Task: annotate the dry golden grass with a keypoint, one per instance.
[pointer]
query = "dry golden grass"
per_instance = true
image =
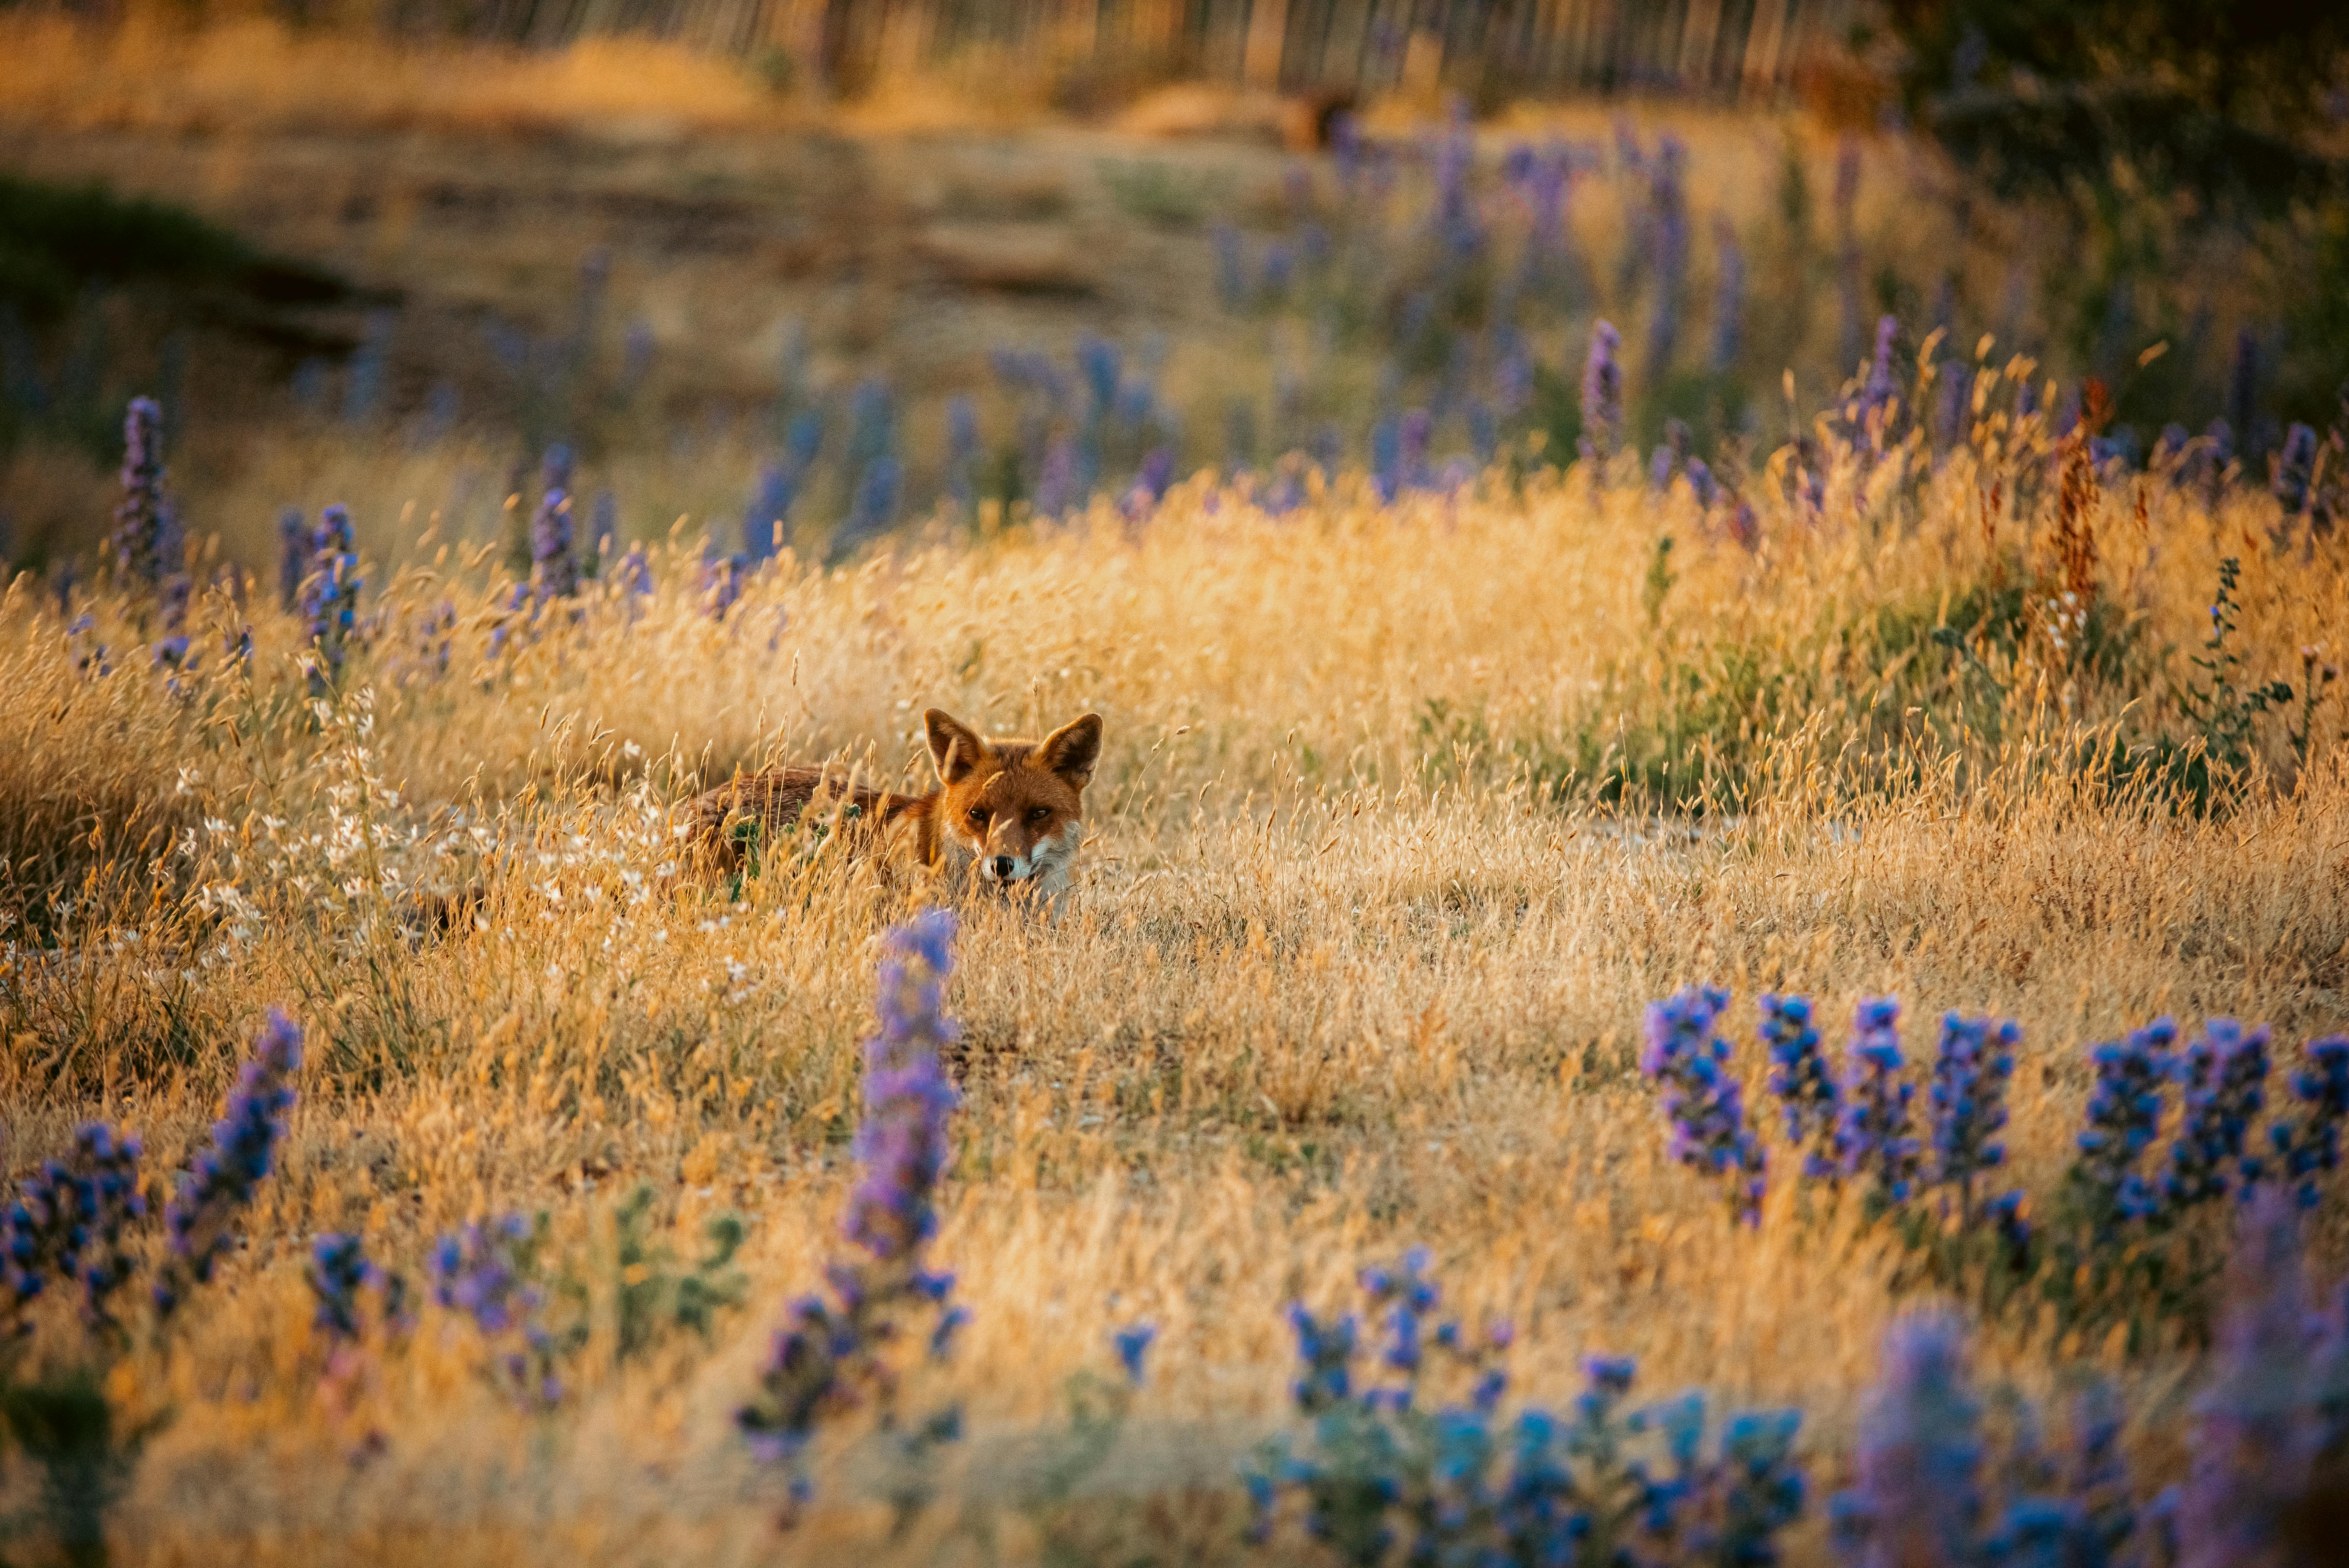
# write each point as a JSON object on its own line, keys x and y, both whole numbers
{"x": 1346, "y": 971}
{"x": 254, "y": 74}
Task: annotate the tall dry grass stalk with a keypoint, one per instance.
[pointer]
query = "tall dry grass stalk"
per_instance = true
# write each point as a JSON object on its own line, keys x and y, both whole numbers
{"x": 1377, "y": 886}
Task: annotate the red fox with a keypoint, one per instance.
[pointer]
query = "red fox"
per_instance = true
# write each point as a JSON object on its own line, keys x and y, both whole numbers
{"x": 1009, "y": 813}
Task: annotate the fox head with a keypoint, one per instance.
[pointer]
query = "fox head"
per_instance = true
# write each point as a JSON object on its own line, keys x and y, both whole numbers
{"x": 1016, "y": 806}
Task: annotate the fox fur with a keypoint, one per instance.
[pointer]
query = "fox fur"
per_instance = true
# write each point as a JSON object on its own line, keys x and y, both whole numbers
{"x": 1008, "y": 814}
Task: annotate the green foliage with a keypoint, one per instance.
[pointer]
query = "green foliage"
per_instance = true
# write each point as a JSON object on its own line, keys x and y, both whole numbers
{"x": 2225, "y": 713}
{"x": 774, "y": 66}
{"x": 1713, "y": 407}
{"x": 1696, "y": 740}
{"x": 1656, "y": 585}
{"x": 656, "y": 1297}
{"x": 1451, "y": 736}
{"x": 1162, "y": 197}
{"x": 1794, "y": 201}
{"x": 56, "y": 239}
{"x": 2220, "y": 100}
{"x": 1557, "y": 413}
{"x": 1067, "y": 1533}
{"x": 2314, "y": 376}
{"x": 786, "y": 851}
{"x": 63, "y": 248}
{"x": 62, "y": 1424}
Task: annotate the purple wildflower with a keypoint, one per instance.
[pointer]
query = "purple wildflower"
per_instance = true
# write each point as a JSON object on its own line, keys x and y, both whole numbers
{"x": 554, "y": 563}
{"x": 293, "y": 556}
{"x": 902, "y": 1144}
{"x": 1806, "y": 1089}
{"x": 1101, "y": 368}
{"x": 1917, "y": 1496}
{"x": 1970, "y": 1074}
{"x": 146, "y": 545}
{"x": 1701, "y": 484}
{"x": 330, "y": 597}
{"x": 832, "y": 1353}
{"x": 2296, "y": 469}
{"x": 2096, "y": 1480}
{"x": 604, "y": 528}
{"x": 90, "y": 661}
{"x": 1231, "y": 267}
{"x": 1665, "y": 460}
{"x": 2243, "y": 397}
{"x": 1549, "y": 258}
{"x": 1545, "y": 1489}
{"x": 721, "y": 579}
{"x": 1602, "y": 393}
{"x": 767, "y": 522}
{"x": 1744, "y": 524}
{"x": 69, "y": 1223}
{"x": 962, "y": 452}
{"x": 1761, "y": 1486}
{"x": 1149, "y": 481}
{"x": 201, "y": 1217}
{"x": 2330, "y": 1382}
{"x": 1327, "y": 1351}
{"x": 1879, "y": 393}
{"x": 1132, "y": 1344}
{"x": 1874, "y": 1129}
{"x": 1279, "y": 266}
{"x": 637, "y": 345}
{"x": 1483, "y": 430}
{"x": 1728, "y": 297}
{"x": 1056, "y": 479}
{"x": 2013, "y": 1225}
{"x": 1629, "y": 158}
{"x": 339, "y": 1270}
{"x": 1607, "y": 1379}
{"x": 2225, "y": 1073}
{"x": 1386, "y": 458}
{"x": 484, "y": 1271}
{"x": 1415, "y": 437}
{"x": 1513, "y": 372}
{"x": 2257, "y": 1428}
{"x": 1457, "y": 226}
{"x": 1705, "y": 1102}
{"x": 1408, "y": 1295}
{"x": 1953, "y": 407}
{"x": 172, "y": 648}
{"x": 2123, "y": 1116}
{"x": 2312, "y": 1147}
{"x": 490, "y": 1272}
{"x": 873, "y": 506}
{"x": 1668, "y": 239}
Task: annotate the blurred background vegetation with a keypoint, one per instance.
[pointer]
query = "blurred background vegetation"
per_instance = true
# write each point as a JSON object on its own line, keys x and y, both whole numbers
{"x": 844, "y": 265}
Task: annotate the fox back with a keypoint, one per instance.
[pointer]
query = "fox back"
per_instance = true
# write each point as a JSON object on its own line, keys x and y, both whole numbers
{"x": 1008, "y": 814}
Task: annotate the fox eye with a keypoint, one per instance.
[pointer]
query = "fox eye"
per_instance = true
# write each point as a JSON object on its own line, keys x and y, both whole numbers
{"x": 979, "y": 814}
{"x": 1038, "y": 814}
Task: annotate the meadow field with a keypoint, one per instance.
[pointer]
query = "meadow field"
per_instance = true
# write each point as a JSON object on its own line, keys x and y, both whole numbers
{"x": 1405, "y": 813}
{"x": 426, "y": 1155}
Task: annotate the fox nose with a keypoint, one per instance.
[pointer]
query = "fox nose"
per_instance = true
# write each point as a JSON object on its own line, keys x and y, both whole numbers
{"x": 1002, "y": 867}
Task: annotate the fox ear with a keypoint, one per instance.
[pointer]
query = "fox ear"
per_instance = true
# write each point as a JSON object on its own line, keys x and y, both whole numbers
{"x": 955, "y": 746}
{"x": 1071, "y": 751}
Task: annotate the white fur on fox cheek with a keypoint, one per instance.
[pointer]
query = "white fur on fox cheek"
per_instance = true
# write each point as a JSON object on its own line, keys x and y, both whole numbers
{"x": 1059, "y": 847}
